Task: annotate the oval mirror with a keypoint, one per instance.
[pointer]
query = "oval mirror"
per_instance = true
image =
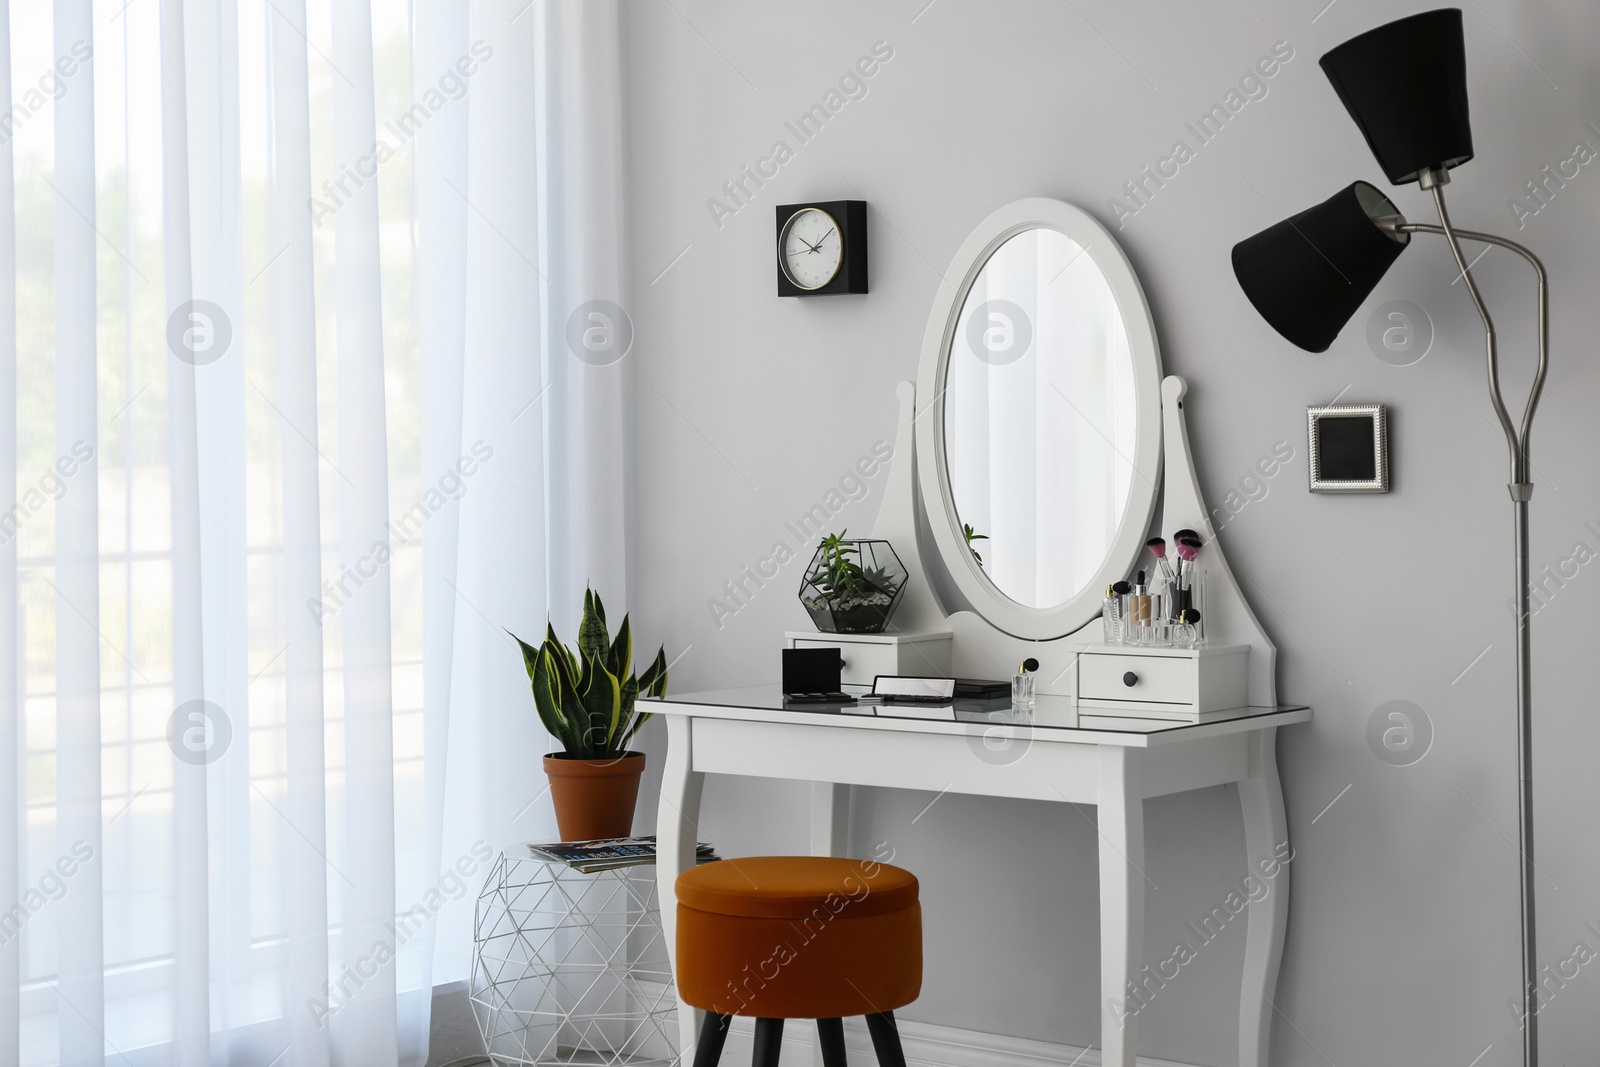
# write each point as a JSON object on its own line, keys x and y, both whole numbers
{"x": 1042, "y": 446}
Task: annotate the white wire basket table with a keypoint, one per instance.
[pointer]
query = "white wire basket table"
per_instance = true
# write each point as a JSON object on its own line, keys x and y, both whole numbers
{"x": 571, "y": 968}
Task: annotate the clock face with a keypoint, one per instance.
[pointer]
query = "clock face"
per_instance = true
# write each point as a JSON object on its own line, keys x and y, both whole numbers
{"x": 812, "y": 248}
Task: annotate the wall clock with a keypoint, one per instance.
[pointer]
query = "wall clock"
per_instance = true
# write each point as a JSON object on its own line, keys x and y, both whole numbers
{"x": 822, "y": 248}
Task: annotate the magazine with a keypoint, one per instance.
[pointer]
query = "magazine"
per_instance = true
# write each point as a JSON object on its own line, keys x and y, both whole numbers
{"x": 608, "y": 854}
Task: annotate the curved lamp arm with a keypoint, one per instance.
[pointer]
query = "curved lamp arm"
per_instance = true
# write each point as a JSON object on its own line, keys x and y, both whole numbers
{"x": 1518, "y": 442}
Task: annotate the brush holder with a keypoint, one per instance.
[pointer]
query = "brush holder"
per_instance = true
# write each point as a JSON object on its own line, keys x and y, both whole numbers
{"x": 1151, "y": 627}
{"x": 1189, "y": 592}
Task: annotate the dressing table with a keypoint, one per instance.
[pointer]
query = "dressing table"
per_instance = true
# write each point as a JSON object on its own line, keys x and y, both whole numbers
{"x": 1041, "y": 420}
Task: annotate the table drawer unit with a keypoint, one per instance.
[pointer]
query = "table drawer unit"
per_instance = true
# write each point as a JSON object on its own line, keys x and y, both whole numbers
{"x": 868, "y": 655}
{"x": 1145, "y": 678}
{"x": 1164, "y": 682}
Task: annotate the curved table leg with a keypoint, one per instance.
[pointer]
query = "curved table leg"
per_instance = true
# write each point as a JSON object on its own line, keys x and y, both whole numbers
{"x": 676, "y": 835}
{"x": 1266, "y": 835}
{"x": 1122, "y": 881}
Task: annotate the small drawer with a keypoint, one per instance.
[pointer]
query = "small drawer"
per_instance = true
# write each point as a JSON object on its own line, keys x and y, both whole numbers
{"x": 862, "y": 662}
{"x": 1149, "y": 679}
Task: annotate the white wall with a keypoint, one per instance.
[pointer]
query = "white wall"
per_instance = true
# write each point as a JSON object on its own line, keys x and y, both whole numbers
{"x": 747, "y": 408}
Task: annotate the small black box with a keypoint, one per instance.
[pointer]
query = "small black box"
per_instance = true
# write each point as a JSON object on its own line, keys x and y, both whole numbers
{"x": 811, "y": 670}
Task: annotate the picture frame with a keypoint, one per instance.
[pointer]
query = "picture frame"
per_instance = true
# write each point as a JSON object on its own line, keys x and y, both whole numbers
{"x": 1349, "y": 448}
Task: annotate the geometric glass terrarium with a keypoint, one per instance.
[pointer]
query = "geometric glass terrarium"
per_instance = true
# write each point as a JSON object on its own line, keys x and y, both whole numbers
{"x": 852, "y": 587}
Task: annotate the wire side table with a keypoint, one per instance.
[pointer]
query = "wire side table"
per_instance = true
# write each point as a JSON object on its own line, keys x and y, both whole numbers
{"x": 571, "y": 968}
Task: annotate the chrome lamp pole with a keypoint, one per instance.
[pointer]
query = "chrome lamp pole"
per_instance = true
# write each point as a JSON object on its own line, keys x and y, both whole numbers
{"x": 1521, "y": 486}
{"x": 1404, "y": 83}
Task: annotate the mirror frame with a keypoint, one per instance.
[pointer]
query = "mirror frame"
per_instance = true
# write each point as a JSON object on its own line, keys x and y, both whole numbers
{"x": 1101, "y": 247}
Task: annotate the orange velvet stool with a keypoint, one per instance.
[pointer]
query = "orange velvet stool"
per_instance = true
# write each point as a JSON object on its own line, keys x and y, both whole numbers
{"x": 799, "y": 937}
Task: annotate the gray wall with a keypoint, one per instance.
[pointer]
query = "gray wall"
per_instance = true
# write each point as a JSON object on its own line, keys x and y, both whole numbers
{"x": 746, "y": 409}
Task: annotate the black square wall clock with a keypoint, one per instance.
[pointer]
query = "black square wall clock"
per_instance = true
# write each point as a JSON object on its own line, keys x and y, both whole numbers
{"x": 822, "y": 248}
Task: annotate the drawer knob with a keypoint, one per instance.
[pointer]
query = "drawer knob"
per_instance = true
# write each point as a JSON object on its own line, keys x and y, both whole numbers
{"x": 1130, "y": 679}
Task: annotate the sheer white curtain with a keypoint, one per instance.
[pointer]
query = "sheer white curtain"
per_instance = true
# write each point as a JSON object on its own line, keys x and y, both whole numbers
{"x": 311, "y": 386}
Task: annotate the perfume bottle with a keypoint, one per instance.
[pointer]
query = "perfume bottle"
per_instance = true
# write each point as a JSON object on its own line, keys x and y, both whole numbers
{"x": 1190, "y": 597}
{"x": 1111, "y": 614}
{"x": 1186, "y": 631}
{"x": 1022, "y": 692}
{"x": 1023, "y": 687}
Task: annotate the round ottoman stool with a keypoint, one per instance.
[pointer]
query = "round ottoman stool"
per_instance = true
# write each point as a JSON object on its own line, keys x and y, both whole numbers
{"x": 799, "y": 937}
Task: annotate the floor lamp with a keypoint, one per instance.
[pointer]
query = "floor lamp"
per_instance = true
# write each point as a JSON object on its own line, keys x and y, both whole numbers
{"x": 1405, "y": 85}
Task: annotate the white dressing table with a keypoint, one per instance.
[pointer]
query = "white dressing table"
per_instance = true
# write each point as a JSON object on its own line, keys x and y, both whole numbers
{"x": 1045, "y": 440}
{"x": 1058, "y": 753}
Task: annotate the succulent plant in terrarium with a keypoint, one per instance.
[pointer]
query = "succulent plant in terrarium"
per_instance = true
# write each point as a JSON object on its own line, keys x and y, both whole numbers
{"x": 852, "y": 586}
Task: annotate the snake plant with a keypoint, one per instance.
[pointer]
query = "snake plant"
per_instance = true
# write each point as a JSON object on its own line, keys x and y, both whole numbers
{"x": 586, "y": 698}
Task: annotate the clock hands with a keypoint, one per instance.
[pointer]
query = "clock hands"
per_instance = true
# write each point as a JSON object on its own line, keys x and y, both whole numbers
{"x": 809, "y": 246}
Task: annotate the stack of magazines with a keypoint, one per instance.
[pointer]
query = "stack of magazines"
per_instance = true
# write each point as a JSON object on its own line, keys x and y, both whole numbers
{"x": 608, "y": 854}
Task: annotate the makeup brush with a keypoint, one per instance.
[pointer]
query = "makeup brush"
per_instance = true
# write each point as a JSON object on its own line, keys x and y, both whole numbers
{"x": 1181, "y": 537}
{"x": 1188, "y": 549}
{"x": 1158, "y": 548}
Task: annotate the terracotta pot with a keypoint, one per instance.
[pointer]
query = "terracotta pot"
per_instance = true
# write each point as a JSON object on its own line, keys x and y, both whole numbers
{"x": 594, "y": 797}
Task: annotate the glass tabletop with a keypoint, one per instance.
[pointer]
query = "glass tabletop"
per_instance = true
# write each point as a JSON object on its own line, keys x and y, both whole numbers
{"x": 1049, "y": 712}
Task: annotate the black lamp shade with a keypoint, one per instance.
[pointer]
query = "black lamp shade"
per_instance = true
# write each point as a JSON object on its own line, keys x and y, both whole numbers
{"x": 1309, "y": 273}
{"x": 1405, "y": 84}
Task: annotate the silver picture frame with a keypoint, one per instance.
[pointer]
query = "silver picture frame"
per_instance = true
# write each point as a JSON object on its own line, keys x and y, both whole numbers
{"x": 1333, "y": 479}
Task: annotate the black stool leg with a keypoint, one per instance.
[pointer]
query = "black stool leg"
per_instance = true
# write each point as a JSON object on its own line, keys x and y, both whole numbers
{"x": 830, "y": 1036}
{"x": 712, "y": 1036}
{"x": 886, "y": 1039}
{"x": 769, "y": 1042}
